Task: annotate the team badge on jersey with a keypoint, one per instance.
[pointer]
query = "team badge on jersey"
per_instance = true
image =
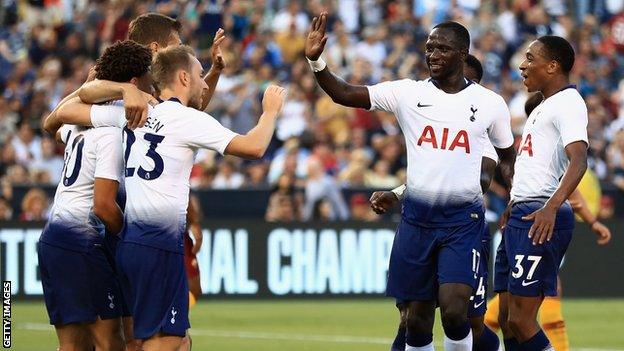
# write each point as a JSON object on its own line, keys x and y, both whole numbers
{"x": 473, "y": 110}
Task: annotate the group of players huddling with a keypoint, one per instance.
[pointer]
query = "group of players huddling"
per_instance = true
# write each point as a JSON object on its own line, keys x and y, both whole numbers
{"x": 134, "y": 129}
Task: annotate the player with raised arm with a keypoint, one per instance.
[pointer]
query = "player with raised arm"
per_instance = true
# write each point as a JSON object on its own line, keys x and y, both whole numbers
{"x": 484, "y": 339}
{"x": 159, "y": 157}
{"x": 85, "y": 306}
{"x": 446, "y": 120}
{"x": 538, "y": 225}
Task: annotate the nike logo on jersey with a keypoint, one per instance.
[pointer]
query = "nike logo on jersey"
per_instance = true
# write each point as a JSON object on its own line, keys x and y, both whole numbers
{"x": 476, "y": 305}
{"x": 525, "y": 283}
{"x": 423, "y": 105}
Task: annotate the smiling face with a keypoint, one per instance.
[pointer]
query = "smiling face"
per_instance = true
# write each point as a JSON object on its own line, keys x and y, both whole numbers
{"x": 536, "y": 67}
{"x": 444, "y": 54}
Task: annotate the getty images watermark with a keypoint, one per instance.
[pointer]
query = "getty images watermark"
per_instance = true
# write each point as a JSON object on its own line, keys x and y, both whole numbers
{"x": 6, "y": 314}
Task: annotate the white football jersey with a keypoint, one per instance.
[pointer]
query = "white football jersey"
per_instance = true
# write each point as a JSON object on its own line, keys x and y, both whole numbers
{"x": 489, "y": 151}
{"x": 446, "y": 136}
{"x": 541, "y": 162}
{"x": 158, "y": 161}
{"x": 89, "y": 154}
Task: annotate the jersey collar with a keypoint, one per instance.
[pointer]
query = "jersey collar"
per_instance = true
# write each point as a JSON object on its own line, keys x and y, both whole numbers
{"x": 467, "y": 81}
{"x": 174, "y": 99}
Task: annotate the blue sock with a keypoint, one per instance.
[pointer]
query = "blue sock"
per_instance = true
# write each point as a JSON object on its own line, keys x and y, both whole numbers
{"x": 538, "y": 342}
{"x": 511, "y": 344}
{"x": 488, "y": 341}
{"x": 458, "y": 333}
{"x": 418, "y": 340}
{"x": 399, "y": 340}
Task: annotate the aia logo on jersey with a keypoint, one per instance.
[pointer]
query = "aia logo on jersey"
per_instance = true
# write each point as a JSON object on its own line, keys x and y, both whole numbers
{"x": 527, "y": 146}
{"x": 460, "y": 140}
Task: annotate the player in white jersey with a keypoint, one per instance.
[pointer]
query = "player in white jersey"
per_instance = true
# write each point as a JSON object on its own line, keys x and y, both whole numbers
{"x": 88, "y": 300}
{"x": 484, "y": 339}
{"x": 446, "y": 121}
{"x": 159, "y": 157}
{"x": 539, "y": 222}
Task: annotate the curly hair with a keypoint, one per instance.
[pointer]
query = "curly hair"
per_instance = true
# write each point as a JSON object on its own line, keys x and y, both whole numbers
{"x": 123, "y": 61}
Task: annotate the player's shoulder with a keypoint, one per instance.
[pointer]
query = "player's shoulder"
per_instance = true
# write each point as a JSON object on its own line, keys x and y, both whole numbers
{"x": 569, "y": 95}
{"x": 569, "y": 99}
{"x": 485, "y": 93}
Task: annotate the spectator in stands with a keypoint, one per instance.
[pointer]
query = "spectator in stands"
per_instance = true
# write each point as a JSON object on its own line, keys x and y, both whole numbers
{"x": 361, "y": 210}
{"x": 50, "y": 162}
{"x": 321, "y": 187}
{"x": 34, "y": 206}
{"x": 285, "y": 203}
{"x": 228, "y": 176}
{"x": 6, "y": 211}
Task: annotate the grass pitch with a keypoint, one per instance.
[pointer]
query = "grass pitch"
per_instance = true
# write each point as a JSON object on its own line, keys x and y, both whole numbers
{"x": 341, "y": 325}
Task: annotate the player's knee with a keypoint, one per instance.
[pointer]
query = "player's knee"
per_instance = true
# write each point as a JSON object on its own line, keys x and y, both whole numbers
{"x": 454, "y": 315}
{"x": 114, "y": 342}
{"x": 418, "y": 323}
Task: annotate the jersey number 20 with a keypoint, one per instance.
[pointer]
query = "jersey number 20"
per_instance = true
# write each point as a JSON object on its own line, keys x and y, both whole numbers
{"x": 151, "y": 153}
{"x": 77, "y": 146}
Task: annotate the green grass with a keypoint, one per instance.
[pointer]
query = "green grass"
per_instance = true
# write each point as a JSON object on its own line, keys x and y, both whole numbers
{"x": 319, "y": 325}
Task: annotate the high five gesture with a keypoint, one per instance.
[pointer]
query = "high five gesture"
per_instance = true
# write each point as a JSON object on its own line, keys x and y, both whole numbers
{"x": 315, "y": 42}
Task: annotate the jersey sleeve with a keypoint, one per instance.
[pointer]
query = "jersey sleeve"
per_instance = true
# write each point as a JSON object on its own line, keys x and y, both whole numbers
{"x": 203, "y": 131}
{"x": 500, "y": 130}
{"x": 386, "y": 96}
{"x": 65, "y": 131}
{"x": 110, "y": 114}
{"x": 108, "y": 154}
{"x": 571, "y": 121}
{"x": 490, "y": 152}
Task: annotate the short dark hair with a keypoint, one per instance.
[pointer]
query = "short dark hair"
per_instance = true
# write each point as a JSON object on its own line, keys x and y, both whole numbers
{"x": 168, "y": 61}
{"x": 474, "y": 63}
{"x": 123, "y": 61}
{"x": 461, "y": 33}
{"x": 152, "y": 27}
{"x": 532, "y": 102}
{"x": 560, "y": 50}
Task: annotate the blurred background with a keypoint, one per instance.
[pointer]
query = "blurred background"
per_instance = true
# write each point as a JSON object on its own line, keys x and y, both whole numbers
{"x": 325, "y": 160}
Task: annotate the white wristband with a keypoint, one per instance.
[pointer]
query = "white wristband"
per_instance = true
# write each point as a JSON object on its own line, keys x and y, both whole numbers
{"x": 399, "y": 191}
{"x": 317, "y": 65}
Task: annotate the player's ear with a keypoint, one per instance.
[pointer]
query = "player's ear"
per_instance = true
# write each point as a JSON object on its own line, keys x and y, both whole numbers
{"x": 134, "y": 80}
{"x": 185, "y": 78}
{"x": 154, "y": 46}
{"x": 552, "y": 67}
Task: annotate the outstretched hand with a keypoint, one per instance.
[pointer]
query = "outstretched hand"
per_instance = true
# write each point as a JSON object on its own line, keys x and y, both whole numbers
{"x": 315, "y": 42}
{"x": 216, "y": 54}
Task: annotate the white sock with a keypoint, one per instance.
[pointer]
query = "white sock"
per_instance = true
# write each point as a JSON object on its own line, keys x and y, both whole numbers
{"x": 419, "y": 348}
{"x": 464, "y": 344}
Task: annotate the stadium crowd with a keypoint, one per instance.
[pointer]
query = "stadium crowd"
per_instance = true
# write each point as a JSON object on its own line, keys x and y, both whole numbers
{"x": 48, "y": 47}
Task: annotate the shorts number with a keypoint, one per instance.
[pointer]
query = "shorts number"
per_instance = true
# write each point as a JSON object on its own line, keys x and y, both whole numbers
{"x": 520, "y": 271}
{"x": 480, "y": 290}
{"x": 77, "y": 146}
{"x": 476, "y": 260}
{"x": 151, "y": 153}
